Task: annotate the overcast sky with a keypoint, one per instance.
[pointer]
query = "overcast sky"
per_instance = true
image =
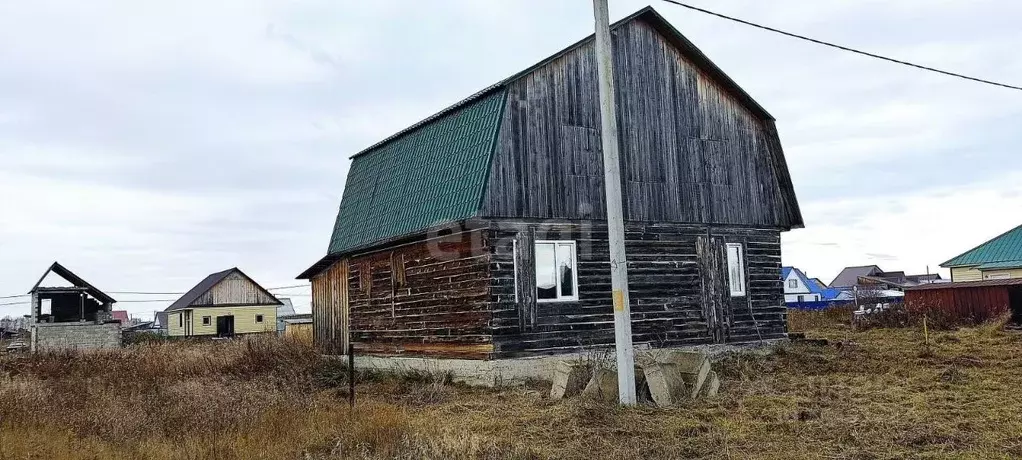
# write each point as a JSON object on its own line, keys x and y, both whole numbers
{"x": 147, "y": 144}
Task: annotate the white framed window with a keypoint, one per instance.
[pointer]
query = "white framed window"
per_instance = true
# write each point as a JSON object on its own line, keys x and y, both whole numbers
{"x": 206, "y": 320}
{"x": 735, "y": 269}
{"x": 556, "y": 271}
{"x": 997, "y": 276}
{"x": 514, "y": 265}
{"x": 793, "y": 283}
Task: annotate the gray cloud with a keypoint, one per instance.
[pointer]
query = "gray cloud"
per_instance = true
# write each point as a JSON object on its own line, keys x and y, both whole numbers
{"x": 146, "y": 145}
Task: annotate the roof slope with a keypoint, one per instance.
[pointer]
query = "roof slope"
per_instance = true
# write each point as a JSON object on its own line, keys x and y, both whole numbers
{"x": 208, "y": 283}
{"x": 434, "y": 174}
{"x": 1006, "y": 247}
{"x": 436, "y": 170}
{"x": 72, "y": 278}
{"x": 850, "y": 275}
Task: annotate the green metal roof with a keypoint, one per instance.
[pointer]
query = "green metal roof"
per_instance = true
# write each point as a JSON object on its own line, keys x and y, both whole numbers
{"x": 1004, "y": 248}
{"x": 1001, "y": 265}
{"x": 430, "y": 175}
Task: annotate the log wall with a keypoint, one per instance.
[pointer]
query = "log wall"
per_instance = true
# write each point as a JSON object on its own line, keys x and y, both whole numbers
{"x": 677, "y": 281}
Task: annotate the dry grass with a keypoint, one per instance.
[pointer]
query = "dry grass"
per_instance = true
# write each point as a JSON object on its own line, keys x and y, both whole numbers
{"x": 879, "y": 393}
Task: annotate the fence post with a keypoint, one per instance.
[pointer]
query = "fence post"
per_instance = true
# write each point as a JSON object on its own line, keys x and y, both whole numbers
{"x": 351, "y": 376}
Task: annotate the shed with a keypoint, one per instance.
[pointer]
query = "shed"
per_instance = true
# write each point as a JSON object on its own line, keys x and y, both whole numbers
{"x": 971, "y": 301}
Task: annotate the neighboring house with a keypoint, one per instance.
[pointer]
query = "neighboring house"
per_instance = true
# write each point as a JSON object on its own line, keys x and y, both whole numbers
{"x": 997, "y": 259}
{"x": 69, "y": 313}
{"x": 223, "y": 305}
{"x": 798, "y": 287}
{"x": 480, "y": 232}
{"x": 872, "y": 281}
{"x": 819, "y": 283}
{"x": 284, "y": 310}
{"x": 122, "y": 316}
{"x": 849, "y": 276}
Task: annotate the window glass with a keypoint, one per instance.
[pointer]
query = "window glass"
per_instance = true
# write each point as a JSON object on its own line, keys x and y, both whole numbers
{"x": 259, "y": 318}
{"x": 206, "y": 321}
{"x": 735, "y": 269}
{"x": 793, "y": 283}
{"x": 566, "y": 268}
{"x": 546, "y": 274}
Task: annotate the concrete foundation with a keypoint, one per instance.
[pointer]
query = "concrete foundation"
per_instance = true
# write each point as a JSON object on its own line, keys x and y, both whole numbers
{"x": 75, "y": 336}
{"x": 505, "y": 371}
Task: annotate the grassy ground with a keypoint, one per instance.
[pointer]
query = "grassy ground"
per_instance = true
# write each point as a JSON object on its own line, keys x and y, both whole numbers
{"x": 880, "y": 393}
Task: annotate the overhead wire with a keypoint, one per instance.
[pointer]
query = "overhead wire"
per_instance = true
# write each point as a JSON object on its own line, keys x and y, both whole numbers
{"x": 844, "y": 48}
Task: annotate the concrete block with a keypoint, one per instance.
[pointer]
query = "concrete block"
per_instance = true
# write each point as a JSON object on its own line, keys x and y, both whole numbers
{"x": 602, "y": 386}
{"x": 711, "y": 387}
{"x": 666, "y": 385}
{"x": 569, "y": 379}
{"x": 694, "y": 367}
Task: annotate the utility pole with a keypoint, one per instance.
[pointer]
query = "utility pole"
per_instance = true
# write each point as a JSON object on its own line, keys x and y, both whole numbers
{"x": 615, "y": 218}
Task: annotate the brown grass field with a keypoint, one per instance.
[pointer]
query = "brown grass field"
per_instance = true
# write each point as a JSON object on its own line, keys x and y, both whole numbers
{"x": 880, "y": 393}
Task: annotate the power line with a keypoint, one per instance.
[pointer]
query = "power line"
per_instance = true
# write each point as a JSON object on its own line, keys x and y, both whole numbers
{"x": 165, "y": 293}
{"x": 14, "y": 303}
{"x": 844, "y": 48}
{"x": 287, "y": 287}
{"x": 146, "y": 293}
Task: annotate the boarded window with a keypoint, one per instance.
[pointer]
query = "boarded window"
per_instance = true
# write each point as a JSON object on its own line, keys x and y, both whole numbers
{"x": 556, "y": 272}
{"x": 365, "y": 275}
{"x": 735, "y": 269}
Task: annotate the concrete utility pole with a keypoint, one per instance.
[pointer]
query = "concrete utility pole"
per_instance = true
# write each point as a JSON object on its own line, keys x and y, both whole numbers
{"x": 615, "y": 218}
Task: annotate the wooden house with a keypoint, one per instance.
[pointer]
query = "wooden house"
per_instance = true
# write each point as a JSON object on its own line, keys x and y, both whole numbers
{"x": 480, "y": 232}
{"x": 223, "y": 304}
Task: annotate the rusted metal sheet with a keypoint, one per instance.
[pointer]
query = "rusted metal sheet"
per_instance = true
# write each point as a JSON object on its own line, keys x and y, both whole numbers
{"x": 964, "y": 304}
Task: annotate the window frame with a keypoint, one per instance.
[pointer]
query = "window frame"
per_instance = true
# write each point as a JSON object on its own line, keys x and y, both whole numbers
{"x": 207, "y": 320}
{"x": 259, "y": 319}
{"x": 742, "y": 290}
{"x": 574, "y": 272}
{"x": 793, "y": 281}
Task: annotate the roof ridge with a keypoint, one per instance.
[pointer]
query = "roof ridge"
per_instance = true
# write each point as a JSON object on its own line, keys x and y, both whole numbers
{"x": 991, "y": 240}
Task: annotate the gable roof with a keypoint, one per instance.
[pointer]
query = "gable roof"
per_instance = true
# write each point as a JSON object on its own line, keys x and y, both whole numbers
{"x": 849, "y": 276}
{"x": 120, "y": 315}
{"x": 1005, "y": 247}
{"x": 810, "y": 283}
{"x": 75, "y": 280}
{"x": 436, "y": 171}
{"x": 206, "y": 284}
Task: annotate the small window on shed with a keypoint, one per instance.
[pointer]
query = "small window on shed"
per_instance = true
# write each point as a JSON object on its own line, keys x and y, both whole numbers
{"x": 206, "y": 320}
{"x": 735, "y": 269}
{"x": 259, "y": 318}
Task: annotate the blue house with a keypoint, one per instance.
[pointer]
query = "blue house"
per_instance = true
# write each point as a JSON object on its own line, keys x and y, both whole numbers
{"x": 800, "y": 288}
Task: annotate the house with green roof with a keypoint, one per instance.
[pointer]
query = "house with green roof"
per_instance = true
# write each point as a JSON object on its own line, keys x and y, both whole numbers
{"x": 998, "y": 258}
{"x": 481, "y": 231}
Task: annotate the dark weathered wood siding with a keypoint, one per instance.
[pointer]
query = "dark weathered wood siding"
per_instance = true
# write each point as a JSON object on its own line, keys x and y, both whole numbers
{"x": 690, "y": 151}
{"x": 424, "y": 298}
{"x": 677, "y": 282}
